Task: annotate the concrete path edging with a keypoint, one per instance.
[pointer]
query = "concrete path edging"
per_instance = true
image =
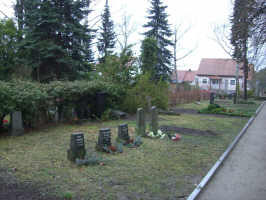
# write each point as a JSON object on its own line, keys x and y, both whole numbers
{"x": 218, "y": 163}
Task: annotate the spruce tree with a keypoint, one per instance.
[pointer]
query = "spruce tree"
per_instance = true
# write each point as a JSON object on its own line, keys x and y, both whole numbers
{"x": 149, "y": 52}
{"x": 107, "y": 38}
{"x": 56, "y": 43}
{"x": 159, "y": 30}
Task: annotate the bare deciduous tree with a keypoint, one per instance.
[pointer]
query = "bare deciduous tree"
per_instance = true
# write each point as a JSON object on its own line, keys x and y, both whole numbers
{"x": 126, "y": 29}
{"x": 179, "y": 52}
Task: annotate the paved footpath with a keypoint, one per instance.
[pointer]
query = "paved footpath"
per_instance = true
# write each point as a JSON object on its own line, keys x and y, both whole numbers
{"x": 243, "y": 174}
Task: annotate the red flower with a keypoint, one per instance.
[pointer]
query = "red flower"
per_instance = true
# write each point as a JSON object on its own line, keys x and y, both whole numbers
{"x": 176, "y": 137}
{"x": 5, "y": 121}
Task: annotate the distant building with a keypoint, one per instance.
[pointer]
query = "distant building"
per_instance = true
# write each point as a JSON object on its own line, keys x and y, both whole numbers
{"x": 219, "y": 75}
{"x": 187, "y": 76}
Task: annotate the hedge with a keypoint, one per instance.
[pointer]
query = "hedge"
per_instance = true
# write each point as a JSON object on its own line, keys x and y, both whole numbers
{"x": 33, "y": 97}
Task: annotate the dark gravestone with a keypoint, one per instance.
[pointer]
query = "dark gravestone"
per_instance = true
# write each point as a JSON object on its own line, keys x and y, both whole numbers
{"x": 235, "y": 98}
{"x": 77, "y": 147}
{"x": 100, "y": 103}
{"x": 17, "y": 128}
{"x": 154, "y": 120}
{"x": 141, "y": 124}
{"x": 212, "y": 98}
{"x": 123, "y": 132}
{"x": 104, "y": 138}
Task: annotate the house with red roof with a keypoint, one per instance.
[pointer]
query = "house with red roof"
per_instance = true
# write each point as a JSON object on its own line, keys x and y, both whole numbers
{"x": 219, "y": 75}
{"x": 184, "y": 76}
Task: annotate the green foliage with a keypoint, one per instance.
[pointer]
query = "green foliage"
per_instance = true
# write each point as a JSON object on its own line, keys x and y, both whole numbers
{"x": 106, "y": 115}
{"x": 217, "y": 109}
{"x": 119, "y": 69}
{"x": 146, "y": 89}
{"x": 56, "y": 44}
{"x": 247, "y": 102}
{"x": 261, "y": 77}
{"x": 213, "y": 106}
{"x": 160, "y": 30}
{"x": 8, "y": 49}
{"x": 68, "y": 196}
{"x": 107, "y": 35}
{"x": 34, "y": 98}
{"x": 149, "y": 51}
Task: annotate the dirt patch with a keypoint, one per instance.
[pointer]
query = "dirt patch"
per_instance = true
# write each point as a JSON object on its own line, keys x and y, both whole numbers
{"x": 187, "y": 131}
{"x": 11, "y": 189}
{"x": 184, "y": 110}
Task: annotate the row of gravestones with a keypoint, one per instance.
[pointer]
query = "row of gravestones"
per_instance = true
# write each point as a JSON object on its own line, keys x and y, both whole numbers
{"x": 77, "y": 144}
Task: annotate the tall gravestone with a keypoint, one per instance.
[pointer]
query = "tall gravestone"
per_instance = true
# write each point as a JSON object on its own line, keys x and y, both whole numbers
{"x": 234, "y": 98}
{"x": 141, "y": 123}
{"x": 17, "y": 128}
{"x": 212, "y": 98}
{"x": 123, "y": 132}
{"x": 77, "y": 147}
{"x": 104, "y": 138}
{"x": 154, "y": 120}
{"x": 100, "y": 103}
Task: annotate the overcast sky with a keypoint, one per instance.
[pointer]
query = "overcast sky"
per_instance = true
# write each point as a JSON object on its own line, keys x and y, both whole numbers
{"x": 198, "y": 15}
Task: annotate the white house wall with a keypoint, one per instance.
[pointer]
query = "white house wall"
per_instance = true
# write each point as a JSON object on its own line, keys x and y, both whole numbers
{"x": 206, "y": 86}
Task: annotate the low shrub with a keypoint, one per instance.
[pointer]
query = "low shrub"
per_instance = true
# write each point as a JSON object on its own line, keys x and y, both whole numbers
{"x": 217, "y": 109}
{"x": 146, "y": 92}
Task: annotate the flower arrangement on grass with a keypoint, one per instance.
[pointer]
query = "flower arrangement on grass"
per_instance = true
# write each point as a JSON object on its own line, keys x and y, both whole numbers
{"x": 131, "y": 143}
{"x": 159, "y": 134}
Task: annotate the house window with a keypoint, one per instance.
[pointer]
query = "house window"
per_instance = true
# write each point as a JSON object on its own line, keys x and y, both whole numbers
{"x": 232, "y": 82}
{"x": 214, "y": 81}
{"x": 204, "y": 80}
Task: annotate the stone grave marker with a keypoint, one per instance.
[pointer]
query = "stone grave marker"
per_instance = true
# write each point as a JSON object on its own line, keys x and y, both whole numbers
{"x": 17, "y": 128}
{"x": 77, "y": 147}
{"x": 234, "y": 98}
{"x": 141, "y": 124}
{"x": 154, "y": 120}
{"x": 104, "y": 138}
{"x": 123, "y": 132}
{"x": 212, "y": 98}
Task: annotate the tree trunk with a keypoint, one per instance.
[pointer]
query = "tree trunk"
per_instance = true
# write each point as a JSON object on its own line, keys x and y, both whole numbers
{"x": 245, "y": 70}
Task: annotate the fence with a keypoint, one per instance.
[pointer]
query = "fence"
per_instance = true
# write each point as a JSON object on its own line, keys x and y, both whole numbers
{"x": 182, "y": 96}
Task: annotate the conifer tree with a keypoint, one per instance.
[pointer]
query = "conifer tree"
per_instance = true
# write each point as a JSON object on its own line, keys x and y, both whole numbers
{"x": 56, "y": 42}
{"x": 106, "y": 40}
{"x": 159, "y": 30}
{"x": 149, "y": 56}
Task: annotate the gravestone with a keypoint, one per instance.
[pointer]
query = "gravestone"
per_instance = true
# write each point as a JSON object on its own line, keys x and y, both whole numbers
{"x": 77, "y": 147}
{"x": 212, "y": 98}
{"x": 100, "y": 103}
{"x": 141, "y": 124}
{"x": 235, "y": 98}
{"x": 154, "y": 120}
{"x": 17, "y": 128}
{"x": 56, "y": 116}
{"x": 123, "y": 132}
{"x": 104, "y": 138}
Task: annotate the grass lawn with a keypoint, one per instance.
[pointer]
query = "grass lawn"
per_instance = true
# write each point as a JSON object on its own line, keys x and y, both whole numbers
{"x": 158, "y": 169}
